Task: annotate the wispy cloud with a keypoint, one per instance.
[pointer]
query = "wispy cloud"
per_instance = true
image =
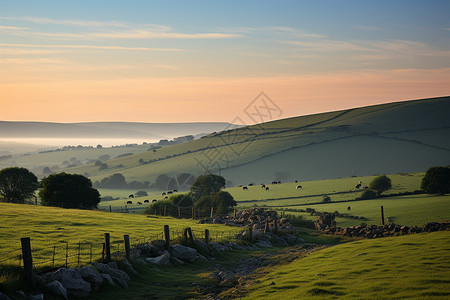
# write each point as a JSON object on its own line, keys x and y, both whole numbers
{"x": 90, "y": 47}
{"x": 70, "y": 22}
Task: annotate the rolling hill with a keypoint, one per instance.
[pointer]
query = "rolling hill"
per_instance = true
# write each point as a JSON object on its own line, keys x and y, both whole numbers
{"x": 407, "y": 136}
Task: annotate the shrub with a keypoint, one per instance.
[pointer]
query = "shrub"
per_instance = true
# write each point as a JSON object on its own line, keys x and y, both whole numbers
{"x": 326, "y": 199}
{"x": 380, "y": 184}
{"x": 368, "y": 194}
{"x": 436, "y": 181}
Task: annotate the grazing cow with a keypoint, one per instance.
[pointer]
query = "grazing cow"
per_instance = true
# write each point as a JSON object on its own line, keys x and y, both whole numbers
{"x": 267, "y": 188}
{"x": 129, "y": 202}
{"x": 169, "y": 193}
{"x": 250, "y": 184}
{"x": 365, "y": 187}
{"x": 274, "y": 182}
{"x": 140, "y": 203}
{"x": 163, "y": 194}
{"x": 299, "y": 187}
{"x": 349, "y": 208}
{"x": 295, "y": 181}
{"x": 175, "y": 191}
{"x": 263, "y": 186}
{"x": 165, "y": 198}
{"x": 131, "y": 196}
{"x": 154, "y": 200}
{"x": 245, "y": 188}
{"x": 279, "y": 181}
{"x": 146, "y": 201}
{"x": 358, "y": 186}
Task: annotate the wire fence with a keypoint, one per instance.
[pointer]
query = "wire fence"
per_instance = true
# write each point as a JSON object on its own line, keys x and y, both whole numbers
{"x": 77, "y": 254}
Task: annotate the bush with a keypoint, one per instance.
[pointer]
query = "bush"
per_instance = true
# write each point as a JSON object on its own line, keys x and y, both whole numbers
{"x": 326, "y": 199}
{"x": 380, "y": 184}
{"x": 436, "y": 181}
{"x": 368, "y": 194}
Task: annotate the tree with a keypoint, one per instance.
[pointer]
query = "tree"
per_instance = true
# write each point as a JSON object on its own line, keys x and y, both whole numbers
{"x": 141, "y": 194}
{"x": 115, "y": 181}
{"x": 436, "y": 181}
{"x": 380, "y": 184}
{"x": 17, "y": 184}
{"x": 207, "y": 185}
{"x": 68, "y": 191}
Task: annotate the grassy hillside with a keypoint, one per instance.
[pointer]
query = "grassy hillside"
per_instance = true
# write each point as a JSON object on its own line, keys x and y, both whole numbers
{"x": 49, "y": 226}
{"x": 390, "y": 138}
{"x": 412, "y": 267}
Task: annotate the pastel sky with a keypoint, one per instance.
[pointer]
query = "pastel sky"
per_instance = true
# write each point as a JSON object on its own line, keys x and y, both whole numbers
{"x": 186, "y": 61}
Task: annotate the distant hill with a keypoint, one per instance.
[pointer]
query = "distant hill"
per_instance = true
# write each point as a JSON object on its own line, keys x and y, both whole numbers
{"x": 398, "y": 137}
{"x": 106, "y": 129}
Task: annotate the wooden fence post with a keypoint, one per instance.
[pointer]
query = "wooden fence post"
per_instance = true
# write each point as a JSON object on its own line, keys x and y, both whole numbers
{"x": 165, "y": 210}
{"x": 193, "y": 213}
{"x": 110, "y": 209}
{"x": 275, "y": 225}
{"x": 235, "y": 212}
{"x": 167, "y": 236}
{"x": 382, "y": 215}
{"x": 107, "y": 247}
{"x": 250, "y": 233}
{"x": 207, "y": 237}
{"x": 212, "y": 211}
{"x": 190, "y": 236}
{"x": 126, "y": 240}
{"x": 179, "y": 212}
{"x": 27, "y": 261}
{"x": 266, "y": 227}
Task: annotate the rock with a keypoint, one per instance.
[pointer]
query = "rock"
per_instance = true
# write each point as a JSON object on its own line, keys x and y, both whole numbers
{"x": 113, "y": 265}
{"x": 264, "y": 244}
{"x": 219, "y": 247}
{"x": 117, "y": 275}
{"x": 107, "y": 278}
{"x": 73, "y": 282}
{"x": 176, "y": 260}
{"x": 160, "y": 244}
{"x": 162, "y": 260}
{"x": 128, "y": 267}
{"x": 89, "y": 274}
{"x": 184, "y": 253}
{"x": 37, "y": 297}
{"x": 56, "y": 288}
{"x": 4, "y": 297}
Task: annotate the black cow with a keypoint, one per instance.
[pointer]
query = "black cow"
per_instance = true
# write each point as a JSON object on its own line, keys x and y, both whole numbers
{"x": 140, "y": 203}
{"x": 129, "y": 202}
{"x": 146, "y": 201}
{"x": 165, "y": 198}
{"x": 169, "y": 193}
{"x": 349, "y": 208}
{"x": 175, "y": 191}
{"x": 299, "y": 187}
{"x": 154, "y": 200}
{"x": 263, "y": 186}
{"x": 245, "y": 188}
{"x": 267, "y": 188}
{"x": 131, "y": 196}
{"x": 164, "y": 193}
{"x": 358, "y": 186}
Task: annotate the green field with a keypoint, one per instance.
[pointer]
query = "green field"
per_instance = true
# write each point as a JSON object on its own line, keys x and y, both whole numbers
{"x": 49, "y": 226}
{"x": 407, "y": 267}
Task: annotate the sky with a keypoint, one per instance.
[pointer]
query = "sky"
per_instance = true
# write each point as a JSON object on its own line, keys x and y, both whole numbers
{"x": 225, "y": 61}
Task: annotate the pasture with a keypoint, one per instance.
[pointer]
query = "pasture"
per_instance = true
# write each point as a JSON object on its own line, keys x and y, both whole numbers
{"x": 407, "y": 267}
{"x": 49, "y": 226}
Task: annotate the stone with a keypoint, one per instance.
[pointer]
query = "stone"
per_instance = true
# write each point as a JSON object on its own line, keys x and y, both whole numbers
{"x": 56, "y": 288}
{"x": 264, "y": 244}
{"x": 113, "y": 265}
{"x": 4, "y": 297}
{"x": 108, "y": 279}
{"x": 37, "y": 297}
{"x": 116, "y": 274}
{"x": 89, "y": 274}
{"x": 73, "y": 282}
{"x": 162, "y": 260}
{"x": 184, "y": 253}
{"x": 128, "y": 267}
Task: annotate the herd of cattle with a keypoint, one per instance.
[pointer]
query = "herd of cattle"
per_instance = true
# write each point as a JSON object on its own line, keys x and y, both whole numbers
{"x": 263, "y": 186}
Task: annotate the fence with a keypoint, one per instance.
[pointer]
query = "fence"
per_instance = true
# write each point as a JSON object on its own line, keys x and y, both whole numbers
{"x": 77, "y": 254}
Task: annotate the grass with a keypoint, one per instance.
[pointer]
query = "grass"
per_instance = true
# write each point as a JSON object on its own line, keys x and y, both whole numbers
{"x": 48, "y": 227}
{"x": 388, "y": 268}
